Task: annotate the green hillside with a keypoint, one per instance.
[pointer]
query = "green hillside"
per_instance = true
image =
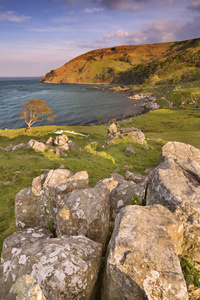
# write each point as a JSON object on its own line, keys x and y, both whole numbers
{"x": 173, "y": 61}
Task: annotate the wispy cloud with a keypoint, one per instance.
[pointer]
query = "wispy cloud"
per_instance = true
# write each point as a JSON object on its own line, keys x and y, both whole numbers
{"x": 92, "y": 10}
{"x": 195, "y": 5}
{"x": 13, "y": 17}
{"x": 160, "y": 31}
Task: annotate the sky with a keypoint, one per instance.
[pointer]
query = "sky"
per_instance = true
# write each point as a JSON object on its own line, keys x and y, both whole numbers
{"x": 37, "y": 36}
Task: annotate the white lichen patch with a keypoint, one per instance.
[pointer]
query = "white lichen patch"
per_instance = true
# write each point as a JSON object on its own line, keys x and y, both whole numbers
{"x": 120, "y": 203}
{"x": 22, "y": 260}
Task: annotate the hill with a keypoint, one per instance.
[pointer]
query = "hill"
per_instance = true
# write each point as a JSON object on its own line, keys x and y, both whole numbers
{"x": 172, "y": 61}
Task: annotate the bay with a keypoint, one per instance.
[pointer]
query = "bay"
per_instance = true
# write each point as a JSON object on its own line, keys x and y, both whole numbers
{"x": 72, "y": 103}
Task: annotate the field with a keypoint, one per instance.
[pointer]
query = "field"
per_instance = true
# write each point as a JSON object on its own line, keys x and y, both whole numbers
{"x": 99, "y": 161}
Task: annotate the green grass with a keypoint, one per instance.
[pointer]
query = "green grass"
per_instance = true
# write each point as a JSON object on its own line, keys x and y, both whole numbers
{"x": 183, "y": 126}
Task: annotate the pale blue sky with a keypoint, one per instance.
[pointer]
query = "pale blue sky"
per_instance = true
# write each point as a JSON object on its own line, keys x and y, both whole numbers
{"x": 39, "y": 35}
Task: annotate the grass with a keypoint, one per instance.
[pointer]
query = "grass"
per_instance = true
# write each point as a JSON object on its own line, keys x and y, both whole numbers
{"x": 99, "y": 161}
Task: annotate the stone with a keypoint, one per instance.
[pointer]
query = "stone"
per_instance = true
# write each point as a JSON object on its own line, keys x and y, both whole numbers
{"x": 26, "y": 287}
{"x": 85, "y": 212}
{"x": 61, "y": 140}
{"x": 180, "y": 151}
{"x": 125, "y": 167}
{"x": 63, "y": 268}
{"x": 6, "y": 183}
{"x": 138, "y": 136}
{"x": 149, "y": 170}
{"x": 110, "y": 182}
{"x": 37, "y": 206}
{"x": 123, "y": 194}
{"x": 64, "y": 147}
{"x": 50, "y": 141}
{"x": 8, "y": 148}
{"x": 175, "y": 184}
{"x": 109, "y": 143}
{"x": 143, "y": 252}
{"x": 72, "y": 145}
{"x": 146, "y": 147}
{"x": 112, "y": 129}
{"x": 36, "y": 145}
{"x": 60, "y": 151}
{"x": 22, "y": 145}
{"x": 137, "y": 178}
{"x": 127, "y": 130}
{"x": 130, "y": 150}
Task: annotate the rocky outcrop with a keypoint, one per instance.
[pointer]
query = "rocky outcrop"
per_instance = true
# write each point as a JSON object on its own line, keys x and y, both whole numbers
{"x": 36, "y": 145}
{"x": 61, "y": 140}
{"x": 37, "y": 206}
{"x": 133, "y": 133}
{"x": 84, "y": 212}
{"x": 143, "y": 254}
{"x": 175, "y": 184}
{"x": 60, "y": 268}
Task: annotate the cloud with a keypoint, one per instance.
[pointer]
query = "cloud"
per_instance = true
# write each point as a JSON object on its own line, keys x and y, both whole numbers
{"x": 155, "y": 32}
{"x": 194, "y": 6}
{"x": 92, "y": 10}
{"x": 12, "y": 17}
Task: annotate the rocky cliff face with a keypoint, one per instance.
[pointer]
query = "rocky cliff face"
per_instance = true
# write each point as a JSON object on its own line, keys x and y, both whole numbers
{"x": 63, "y": 229}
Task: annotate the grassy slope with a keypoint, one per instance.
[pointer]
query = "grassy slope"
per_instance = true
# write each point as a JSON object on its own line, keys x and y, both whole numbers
{"x": 130, "y": 64}
{"x": 168, "y": 125}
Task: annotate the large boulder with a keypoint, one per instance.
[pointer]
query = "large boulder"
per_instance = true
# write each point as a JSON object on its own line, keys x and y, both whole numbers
{"x": 63, "y": 268}
{"x": 175, "y": 184}
{"x": 36, "y": 145}
{"x": 37, "y": 206}
{"x": 85, "y": 212}
{"x": 110, "y": 182}
{"x": 143, "y": 258}
{"x": 122, "y": 195}
{"x": 180, "y": 151}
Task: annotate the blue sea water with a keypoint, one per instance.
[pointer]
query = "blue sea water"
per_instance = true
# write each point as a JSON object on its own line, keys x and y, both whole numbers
{"x": 70, "y": 102}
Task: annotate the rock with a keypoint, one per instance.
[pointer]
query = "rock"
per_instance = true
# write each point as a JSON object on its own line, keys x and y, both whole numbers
{"x": 125, "y": 167}
{"x": 8, "y": 148}
{"x": 37, "y": 206}
{"x": 123, "y": 194}
{"x": 60, "y": 151}
{"x": 64, "y": 268}
{"x": 143, "y": 254}
{"x": 36, "y": 145}
{"x": 72, "y": 145}
{"x": 175, "y": 185}
{"x": 112, "y": 129}
{"x": 128, "y": 130}
{"x": 61, "y": 140}
{"x": 149, "y": 170}
{"x": 84, "y": 212}
{"x": 26, "y": 287}
{"x": 138, "y": 137}
{"x": 64, "y": 147}
{"x": 109, "y": 143}
{"x": 50, "y": 142}
{"x": 146, "y": 147}
{"x": 180, "y": 151}
{"x": 130, "y": 150}
{"x": 137, "y": 178}
{"x": 62, "y": 166}
{"x": 22, "y": 145}
{"x": 110, "y": 182}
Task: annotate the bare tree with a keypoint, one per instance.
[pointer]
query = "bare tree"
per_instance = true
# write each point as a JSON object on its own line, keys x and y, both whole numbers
{"x": 36, "y": 111}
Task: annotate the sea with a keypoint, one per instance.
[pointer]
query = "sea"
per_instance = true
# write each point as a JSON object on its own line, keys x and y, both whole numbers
{"x": 72, "y": 103}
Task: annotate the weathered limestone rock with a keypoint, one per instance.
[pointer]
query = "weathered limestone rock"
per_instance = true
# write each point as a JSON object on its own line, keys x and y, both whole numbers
{"x": 112, "y": 129}
{"x": 64, "y": 147}
{"x": 110, "y": 182}
{"x": 176, "y": 185}
{"x": 128, "y": 130}
{"x": 130, "y": 150}
{"x": 138, "y": 136}
{"x": 50, "y": 141}
{"x": 37, "y": 206}
{"x": 61, "y": 140}
{"x": 180, "y": 151}
{"x": 123, "y": 194}
{"x": 26, "y": 287}
{"x": 36, "y": 145}
{"x": 85, "y": 212}
{"x": 137, "y": 178}
{"x": 64, "y": 268}
{"x": 109, "y": 143}
{"x": 143, "y": 258}
{"x": 22, "y": 145}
